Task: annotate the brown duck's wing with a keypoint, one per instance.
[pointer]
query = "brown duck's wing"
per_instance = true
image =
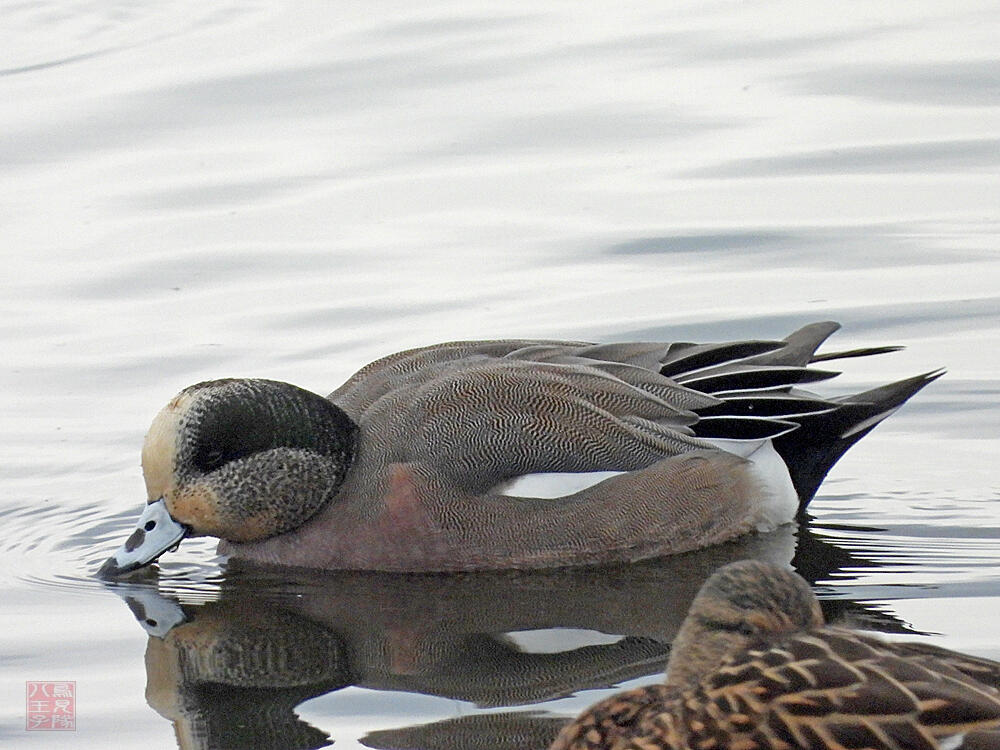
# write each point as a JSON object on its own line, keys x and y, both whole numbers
{"x": 405, "y": 368}
{"x": 630, "y": 361}
{"x": 644, "y": 361}
{"x": 979, "y": 669}
{"x": 478, "y": 413}
{"x": 987, "y": 740}
{"x": 829, "y": 689}
{"x": 495, "y": 419}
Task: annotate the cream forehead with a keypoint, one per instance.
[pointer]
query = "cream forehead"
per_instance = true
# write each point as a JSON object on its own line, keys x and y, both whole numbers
{"x": 160, "y": 447}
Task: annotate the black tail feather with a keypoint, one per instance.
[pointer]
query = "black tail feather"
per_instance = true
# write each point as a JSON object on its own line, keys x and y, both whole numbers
{"x": 751, "y": 378}
{"x": 682, "y": 358}
{"x": 742, "y": 428}
{"x": 756, "y": 382}
{"x": 812, "y": 450}
{"x": 766, "y": 404}
{"x": 866, "y": 352}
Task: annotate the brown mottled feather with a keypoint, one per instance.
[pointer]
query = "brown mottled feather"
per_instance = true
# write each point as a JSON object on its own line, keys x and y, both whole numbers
{"x": 614, "y": 717}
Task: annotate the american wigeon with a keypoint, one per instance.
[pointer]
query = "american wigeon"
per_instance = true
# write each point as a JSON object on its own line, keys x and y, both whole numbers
{"x": 753, "y": 667}
{"x": 503, "y": 454}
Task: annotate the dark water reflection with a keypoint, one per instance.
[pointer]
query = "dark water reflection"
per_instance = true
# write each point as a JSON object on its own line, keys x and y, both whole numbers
{"x": 230, "y": 672}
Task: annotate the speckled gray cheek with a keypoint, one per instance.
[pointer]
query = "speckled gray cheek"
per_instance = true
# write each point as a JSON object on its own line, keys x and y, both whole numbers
{"x": 273, "y": 492}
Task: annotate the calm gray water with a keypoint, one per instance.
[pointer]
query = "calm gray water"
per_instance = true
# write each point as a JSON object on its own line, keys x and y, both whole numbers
{"x": 289, "y": 190}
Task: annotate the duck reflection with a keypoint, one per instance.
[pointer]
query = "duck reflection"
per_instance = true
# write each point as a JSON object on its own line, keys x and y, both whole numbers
{"x": 512, "y": 730}
{"x": 229, "y": 672}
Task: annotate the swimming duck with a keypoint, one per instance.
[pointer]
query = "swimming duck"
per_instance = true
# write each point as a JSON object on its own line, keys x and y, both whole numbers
{"x": 754, "y": 667}
{"x": 503, "y": 454}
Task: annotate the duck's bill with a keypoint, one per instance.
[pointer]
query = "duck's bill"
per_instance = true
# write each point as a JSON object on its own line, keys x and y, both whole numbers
{"x": 157, "y": 614}
{"x": 155, "y": 533}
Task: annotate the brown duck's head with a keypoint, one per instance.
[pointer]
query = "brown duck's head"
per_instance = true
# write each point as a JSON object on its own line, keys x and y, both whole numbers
{"x": 237, "y": 459}
{"x": 741, "y": 604}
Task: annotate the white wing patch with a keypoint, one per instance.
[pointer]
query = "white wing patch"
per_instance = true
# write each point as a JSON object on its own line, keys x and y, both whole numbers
{"x": 778, "y": 506}
{"x": 552, "y": 484}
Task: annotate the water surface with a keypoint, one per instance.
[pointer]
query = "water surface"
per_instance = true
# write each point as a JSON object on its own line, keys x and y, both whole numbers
{"x": 289, "y": 190}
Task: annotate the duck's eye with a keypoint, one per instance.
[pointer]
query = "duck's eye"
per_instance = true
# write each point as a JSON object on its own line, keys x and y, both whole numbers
{"x": 730, "y": 626}
{"x": 212, "y": 459}
{"x": 217, "y": 454}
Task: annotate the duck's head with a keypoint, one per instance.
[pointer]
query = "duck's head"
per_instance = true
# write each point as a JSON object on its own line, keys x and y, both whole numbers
{"x": 741, "y": 604}
{"x": 236, "y": 459}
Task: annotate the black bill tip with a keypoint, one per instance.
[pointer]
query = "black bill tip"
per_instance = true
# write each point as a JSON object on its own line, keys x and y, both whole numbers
{"x": 109, "y": 569}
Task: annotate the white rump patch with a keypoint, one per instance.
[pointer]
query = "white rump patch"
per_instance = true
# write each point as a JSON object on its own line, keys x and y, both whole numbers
{"x": 782, "y": 501}
{"x": 549, "y": 485}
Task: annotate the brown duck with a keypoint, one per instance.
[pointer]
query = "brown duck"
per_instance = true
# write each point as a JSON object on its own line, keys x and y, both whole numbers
{"x": 503, "y": 454}
{"x": 754, "y": 668}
